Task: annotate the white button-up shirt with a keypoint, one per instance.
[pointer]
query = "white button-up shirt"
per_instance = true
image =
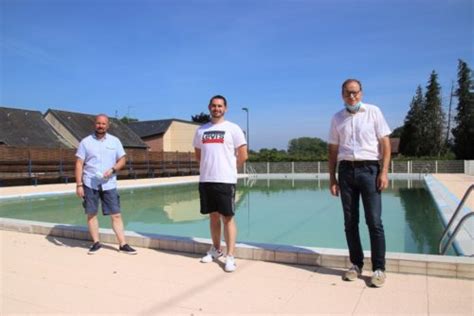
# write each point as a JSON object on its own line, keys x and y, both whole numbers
{"x": 99, "y": 155}
{"x": 358, "y": 134}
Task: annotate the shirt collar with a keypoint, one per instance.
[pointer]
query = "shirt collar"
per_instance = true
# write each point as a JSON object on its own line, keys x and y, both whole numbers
{"x": 95, "y": 137}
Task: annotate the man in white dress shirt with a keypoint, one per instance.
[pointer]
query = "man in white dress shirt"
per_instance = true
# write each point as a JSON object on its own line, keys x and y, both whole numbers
{"x": 359, "y": 143}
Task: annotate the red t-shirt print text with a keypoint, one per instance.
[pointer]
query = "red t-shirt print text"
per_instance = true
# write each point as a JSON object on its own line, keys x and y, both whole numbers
{"x": 213, "y": 137}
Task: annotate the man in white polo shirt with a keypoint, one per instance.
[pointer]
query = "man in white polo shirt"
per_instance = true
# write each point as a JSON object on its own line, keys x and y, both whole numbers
{"x": 359, "y": 142}
{"x": 99, "y": 156}
{"x": 220, "y": 148}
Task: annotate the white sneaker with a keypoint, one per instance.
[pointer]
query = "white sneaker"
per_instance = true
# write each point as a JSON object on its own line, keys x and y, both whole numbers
{"x": 352, "y": 274}
{"x": 230, "y": 264}
{"x": 212, "y": 254}
{"x": 378, "y": 278}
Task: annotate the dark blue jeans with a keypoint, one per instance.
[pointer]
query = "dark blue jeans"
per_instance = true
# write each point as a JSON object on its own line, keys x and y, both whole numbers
{"x": 355, "y": 182}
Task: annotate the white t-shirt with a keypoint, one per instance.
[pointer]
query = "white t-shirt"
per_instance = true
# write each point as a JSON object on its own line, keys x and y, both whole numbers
{"x": 358, "y": 134}
{"x": 218, "y": 144}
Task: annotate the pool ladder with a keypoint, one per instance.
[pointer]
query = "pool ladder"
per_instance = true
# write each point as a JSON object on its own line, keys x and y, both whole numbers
{"x": 250, "y": 171}
{"x": 442, "y": 249}
{"x": 252, "y": 175}
{"x": 425, "y": 170}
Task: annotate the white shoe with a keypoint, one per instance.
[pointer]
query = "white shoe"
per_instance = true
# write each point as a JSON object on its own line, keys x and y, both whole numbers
{"x": 352, "y": 274}
{"x": 230, "y": 264}
{"x": 212, "y": 254}
{"x": 378, "y": 278}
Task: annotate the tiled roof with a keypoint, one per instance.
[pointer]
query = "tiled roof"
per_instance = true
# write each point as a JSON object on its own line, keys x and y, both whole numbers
{"x": 25, "y": 128}
{"x": 81, "y": 125}
{"x": 156, "y": 127}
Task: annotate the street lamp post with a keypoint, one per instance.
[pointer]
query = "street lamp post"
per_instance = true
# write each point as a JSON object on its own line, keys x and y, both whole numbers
{"x": 248, "y": 137}
{"x": 246, "y": 167}
{"x": 248, "y": 133}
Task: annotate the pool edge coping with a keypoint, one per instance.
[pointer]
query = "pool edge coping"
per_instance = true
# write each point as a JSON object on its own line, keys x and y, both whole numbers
{"x": 421, "y": 264}
{"x": 446, "y": 203}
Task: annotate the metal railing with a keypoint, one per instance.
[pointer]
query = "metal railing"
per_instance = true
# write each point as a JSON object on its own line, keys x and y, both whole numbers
{"x": 425, "y": 170}
{"x": 251, "y": 175}
{"x": 442, "y": 249}
{"x": 250, "y": 171}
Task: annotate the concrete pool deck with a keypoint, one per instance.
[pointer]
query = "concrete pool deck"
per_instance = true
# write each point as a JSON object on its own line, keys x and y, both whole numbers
{"x": 54, "y": 275}
{"x": 46, "y": 272}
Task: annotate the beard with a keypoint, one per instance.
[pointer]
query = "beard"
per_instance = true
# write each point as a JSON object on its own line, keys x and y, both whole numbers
{"x": 216, "y": 114}
{"x": 100, "y": 131}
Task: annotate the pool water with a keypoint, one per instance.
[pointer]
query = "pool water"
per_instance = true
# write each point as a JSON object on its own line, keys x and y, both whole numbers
{"x": 291, "y": 212}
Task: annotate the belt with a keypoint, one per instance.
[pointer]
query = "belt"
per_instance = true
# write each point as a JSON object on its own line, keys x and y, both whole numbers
{"x": 359, "y": 163}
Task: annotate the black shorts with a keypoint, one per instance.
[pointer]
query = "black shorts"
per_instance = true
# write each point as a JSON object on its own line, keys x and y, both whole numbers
{"x": 217, "y": 197}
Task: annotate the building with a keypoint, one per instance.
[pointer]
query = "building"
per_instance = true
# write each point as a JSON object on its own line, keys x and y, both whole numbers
{"x": 75, "y": 126}
{"x": 395, "y": 146}
{"x": 25, "y": 128}
{"x": 171, "y": 135}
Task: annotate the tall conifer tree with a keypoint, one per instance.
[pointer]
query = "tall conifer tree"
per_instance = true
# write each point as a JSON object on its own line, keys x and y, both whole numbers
{"x": 433, "y": 122}
{"x": 411, "y": 138}
{"x": 464, "y": 131}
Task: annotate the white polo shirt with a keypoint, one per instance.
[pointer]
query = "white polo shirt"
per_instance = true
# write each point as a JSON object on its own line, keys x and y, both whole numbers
{"x": 358, "y": 134}
{"x": 99, "y": 155}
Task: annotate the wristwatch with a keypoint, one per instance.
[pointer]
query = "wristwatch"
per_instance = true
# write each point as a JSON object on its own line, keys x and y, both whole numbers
{"x": 113, "y": 170}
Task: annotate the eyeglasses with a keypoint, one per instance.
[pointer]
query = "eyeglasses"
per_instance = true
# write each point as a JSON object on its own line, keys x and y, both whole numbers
{"x": 350, "y": 93}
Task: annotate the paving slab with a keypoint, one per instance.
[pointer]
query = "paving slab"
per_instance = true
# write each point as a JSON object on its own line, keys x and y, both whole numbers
{"x": 54, "y": 275}
{"x": 46, "y": 274}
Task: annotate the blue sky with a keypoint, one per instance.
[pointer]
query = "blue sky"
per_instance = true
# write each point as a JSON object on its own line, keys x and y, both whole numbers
{"x": 284, "y": 60}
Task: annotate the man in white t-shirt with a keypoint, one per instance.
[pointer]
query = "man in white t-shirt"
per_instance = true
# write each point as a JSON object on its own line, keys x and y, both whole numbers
{"x": 220, "y": 148}
{"x": 359, "y": 143}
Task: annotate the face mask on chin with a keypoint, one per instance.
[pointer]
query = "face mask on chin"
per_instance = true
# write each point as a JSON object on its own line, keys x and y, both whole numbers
{"x": 353, "y": 108}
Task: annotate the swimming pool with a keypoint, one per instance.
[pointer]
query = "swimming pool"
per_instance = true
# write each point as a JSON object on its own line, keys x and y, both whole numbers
{"x": 293, "y": 212}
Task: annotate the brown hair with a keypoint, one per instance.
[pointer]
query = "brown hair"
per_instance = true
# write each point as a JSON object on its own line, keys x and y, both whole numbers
{"x": 218, "y": 97}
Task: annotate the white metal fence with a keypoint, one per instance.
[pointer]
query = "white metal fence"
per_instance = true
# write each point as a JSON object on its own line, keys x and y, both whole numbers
{"x": 410, "y": 167}
{"x": 469, "y": 167}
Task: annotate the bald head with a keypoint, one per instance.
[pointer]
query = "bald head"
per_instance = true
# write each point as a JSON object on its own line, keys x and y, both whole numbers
{"x": 101, "y": 125}
{"x": 102, "y": 116}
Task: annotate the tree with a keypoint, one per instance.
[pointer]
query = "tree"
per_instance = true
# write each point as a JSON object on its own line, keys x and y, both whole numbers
{"x": 201, "y": 118}
{"x": 299, "y": 149}
{"x": 270, "y": 155}
{"x": 433, "y": 122}
{"x": 411, "y": 138}
{"x": 128, "y": 120}
{"x": 397, "y": 132}
{"x": 463, "y": 132}
{"x": 307, "y": 148}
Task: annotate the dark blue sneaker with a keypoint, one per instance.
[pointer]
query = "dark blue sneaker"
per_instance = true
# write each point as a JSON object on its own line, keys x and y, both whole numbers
{"x": 127, "y": 249}
{"x": 94, "y": 248}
